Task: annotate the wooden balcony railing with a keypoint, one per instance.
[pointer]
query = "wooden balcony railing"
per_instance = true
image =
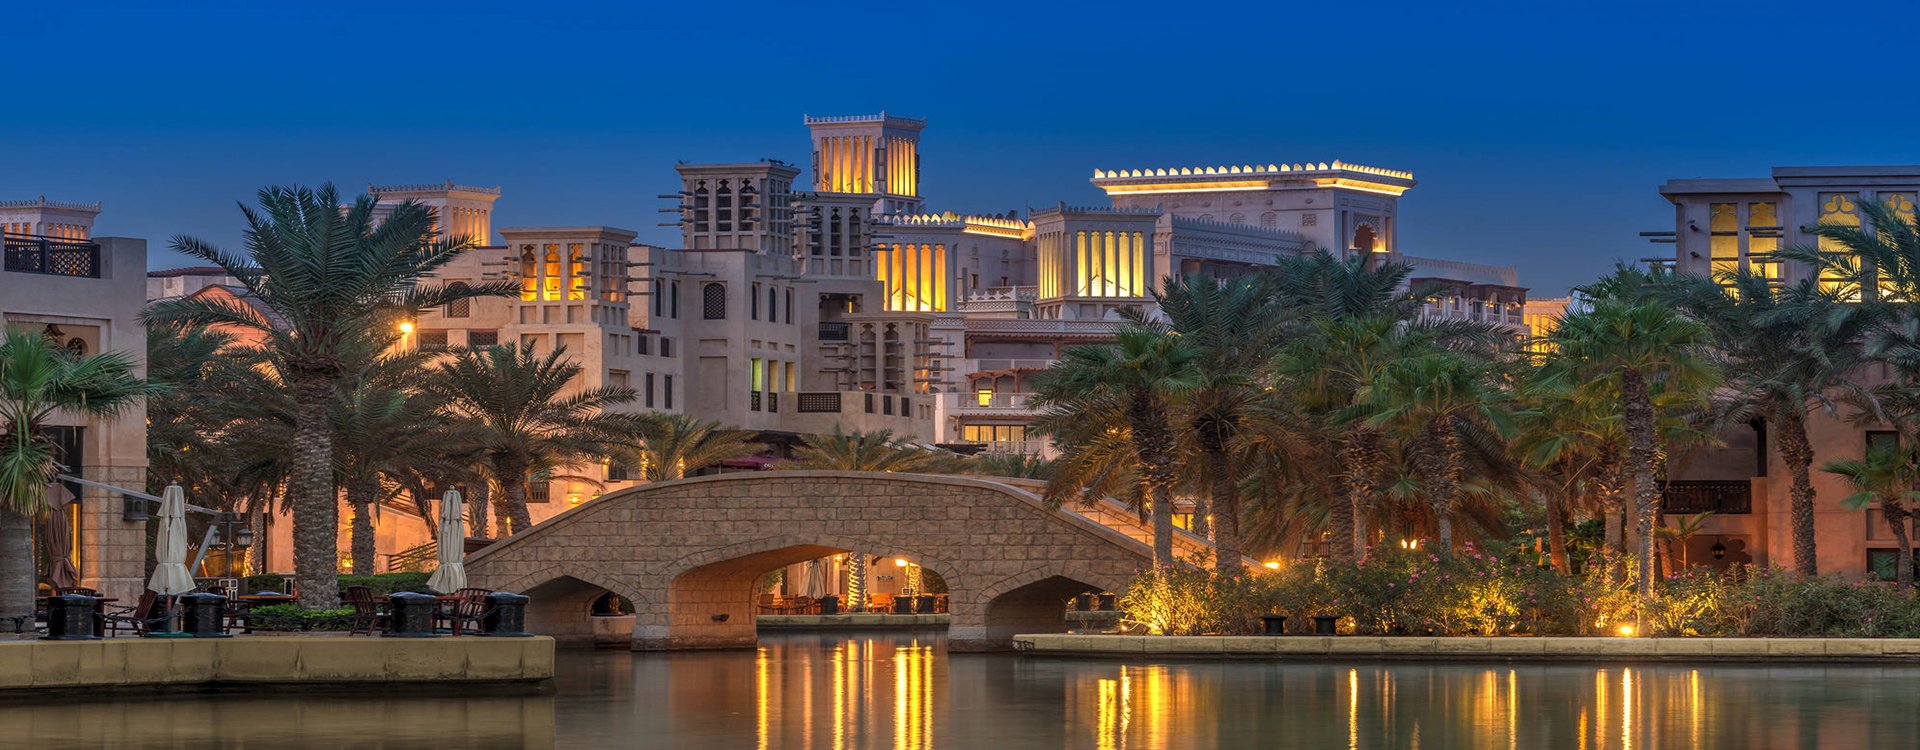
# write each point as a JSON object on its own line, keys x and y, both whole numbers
{"x": 1703, "y": 496}
{"x": 31, "y": 253}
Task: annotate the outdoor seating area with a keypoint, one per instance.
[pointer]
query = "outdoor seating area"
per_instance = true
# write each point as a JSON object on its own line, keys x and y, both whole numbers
{"x": 779, "y": 604}
{"x": 458, "y": 613}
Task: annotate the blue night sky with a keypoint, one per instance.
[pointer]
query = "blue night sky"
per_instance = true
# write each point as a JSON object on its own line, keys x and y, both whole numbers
{"x": 1539, "y": 133}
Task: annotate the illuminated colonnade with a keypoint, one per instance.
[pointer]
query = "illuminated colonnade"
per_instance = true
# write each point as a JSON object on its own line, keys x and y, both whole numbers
{"x": 915, "y": 276}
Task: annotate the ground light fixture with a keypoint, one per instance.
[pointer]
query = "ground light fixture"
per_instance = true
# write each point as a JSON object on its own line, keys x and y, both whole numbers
{"x": 1272, "y": 564}
{"x": 406, "y": 326}
{"x": 1624, "y": 631}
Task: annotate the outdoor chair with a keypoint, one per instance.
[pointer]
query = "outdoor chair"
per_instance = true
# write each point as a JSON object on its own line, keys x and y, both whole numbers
{"x": 765, "y": 604}
{"x": 467, "y": 611}
{"x": 368, "y": 616}
{"x": 134, "y": 620}
{"x": 881, "y": 603}
{"x": 801, "y": 605}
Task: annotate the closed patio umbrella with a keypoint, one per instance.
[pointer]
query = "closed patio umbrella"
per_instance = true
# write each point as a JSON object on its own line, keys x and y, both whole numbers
{"x": 451, "y": 540}
{"x": 170, "y": 576}
{"x": 58, "y": 533}
{"x": 816, "y": 578}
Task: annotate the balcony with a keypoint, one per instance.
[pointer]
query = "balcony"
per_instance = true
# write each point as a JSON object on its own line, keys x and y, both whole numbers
{"x": 831, "y": 331}
{"x": 28, "y": 253}
{"x": 997, "y": 403}
{"x": 971, "y": 366}
{"x": 1707, "y": 496}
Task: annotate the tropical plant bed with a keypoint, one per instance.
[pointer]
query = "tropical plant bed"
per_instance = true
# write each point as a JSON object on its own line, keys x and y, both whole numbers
{"x": 1486, "y": 593}
{"x": 1541, "y": 648}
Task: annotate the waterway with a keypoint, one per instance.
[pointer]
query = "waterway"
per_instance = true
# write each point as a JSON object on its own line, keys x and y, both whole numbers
{"x": 902, "y": 690}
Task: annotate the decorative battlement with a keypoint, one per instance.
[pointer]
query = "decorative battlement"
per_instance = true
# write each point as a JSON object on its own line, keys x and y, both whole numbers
{"x": 917, "y": 122}
{"x": 997, "y": 226}
{"x": 1005, "y": 293}
{"x": 1252, "y": 169}
{"x": 42, "y": 202}
{"x": 1098, "y": 210}
{"x": 1218, "y": 224}
{"x": 431, "y": 188}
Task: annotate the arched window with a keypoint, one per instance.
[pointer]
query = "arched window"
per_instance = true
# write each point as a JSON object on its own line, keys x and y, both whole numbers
{"x": 1364, "y": 239}
{"x": 773, "y": 300}
{"x": 1269, "y": 219}
{"x": 713, "y": 301}
{"x": 1238, "y": 218}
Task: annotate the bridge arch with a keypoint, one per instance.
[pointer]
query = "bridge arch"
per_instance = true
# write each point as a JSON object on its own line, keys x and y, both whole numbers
{"x": 686, "y": 552}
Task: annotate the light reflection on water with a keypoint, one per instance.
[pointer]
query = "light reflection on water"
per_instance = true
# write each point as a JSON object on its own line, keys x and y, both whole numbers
{"x": 902, "y": 691}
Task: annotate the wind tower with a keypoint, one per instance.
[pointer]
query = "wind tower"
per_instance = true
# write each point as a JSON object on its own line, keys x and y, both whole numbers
{"x": 869, "y": 155}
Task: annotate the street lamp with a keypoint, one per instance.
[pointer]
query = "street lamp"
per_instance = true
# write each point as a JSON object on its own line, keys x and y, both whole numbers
{"x": 235, "y": 534}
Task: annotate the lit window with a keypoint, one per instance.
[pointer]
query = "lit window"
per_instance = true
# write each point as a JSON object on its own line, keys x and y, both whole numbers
{"x": 985, "y": 396}
{"x": 1723, "y": 244}
{"x": 1838, "y": 210}
{"x": 1763, "y": 239}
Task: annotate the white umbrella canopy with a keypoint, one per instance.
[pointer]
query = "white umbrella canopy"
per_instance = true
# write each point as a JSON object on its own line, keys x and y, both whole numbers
{"x": 170, "y": 576}
{"x": 451, "y": 540}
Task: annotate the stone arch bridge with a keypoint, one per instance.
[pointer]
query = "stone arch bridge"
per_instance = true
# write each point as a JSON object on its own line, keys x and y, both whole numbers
{"x": 687, "y": 552}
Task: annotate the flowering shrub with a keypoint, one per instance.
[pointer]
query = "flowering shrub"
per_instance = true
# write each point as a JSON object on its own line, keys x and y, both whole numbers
{"x": 1487, "y": 592}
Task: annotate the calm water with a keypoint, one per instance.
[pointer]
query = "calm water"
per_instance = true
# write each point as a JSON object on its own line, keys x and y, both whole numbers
{"x": 904, "y": 691}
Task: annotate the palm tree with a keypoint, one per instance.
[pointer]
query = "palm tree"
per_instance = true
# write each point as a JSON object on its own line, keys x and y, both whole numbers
{"x": 514, "y": 405}
{"x": 386, "y": 432}
{"x": 675, "y": 445}
{"x": 1014, "y": 465}
{"x": 877, "y": 450}
{"x": 1785, "y": 352}
{"x": 1430, "y": 400}
{"x": 37, "y": 381}
{"x": 1888, "y": 476}
{"x": 318, "y": 278}
{"x": 1235, "y": 327}
{"x": 1145, "y": 371}
{"x": 1635, "y": 349}
{"x": 1571, "y": 441}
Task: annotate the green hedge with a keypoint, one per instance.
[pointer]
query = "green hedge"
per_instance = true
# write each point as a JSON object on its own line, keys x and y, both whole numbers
{"x": 294, "y": 618}
{"x": 382, "y": 584}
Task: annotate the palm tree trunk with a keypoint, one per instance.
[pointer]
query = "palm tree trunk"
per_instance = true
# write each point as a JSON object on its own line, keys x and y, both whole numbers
{"x": 1797, "y": 451}
{"x": 1202, "y": 523}
{"x": 856, "y": 582}
{"x": 1613, "y": 502}
{"x": 511, "y": 471}
{"x": 1153, "y": 444}
{"x": 1444, "y": 480}
{"x": 1896, "y": 514}
{"x": 1342, "y": 511}
{"x": 16, "y": 573}
{"x": 1226, "y": 509}
{"x": 1364, "y": 477}
{"x": 477, "y": 510}
{"x": 316, "y": 507}
{"x": 361, "y": 494}
{"x": 1557, "y": 534}
{"x": 1637, "y": 408}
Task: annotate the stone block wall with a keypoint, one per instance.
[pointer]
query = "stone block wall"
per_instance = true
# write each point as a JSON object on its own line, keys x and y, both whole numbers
{"x": 687, "y": 552}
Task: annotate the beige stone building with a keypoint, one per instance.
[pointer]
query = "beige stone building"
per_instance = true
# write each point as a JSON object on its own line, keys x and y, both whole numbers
{"x": 800, "y": 301}
{"x": 85, "y": 292}
{"x": 1722, "y": 225}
